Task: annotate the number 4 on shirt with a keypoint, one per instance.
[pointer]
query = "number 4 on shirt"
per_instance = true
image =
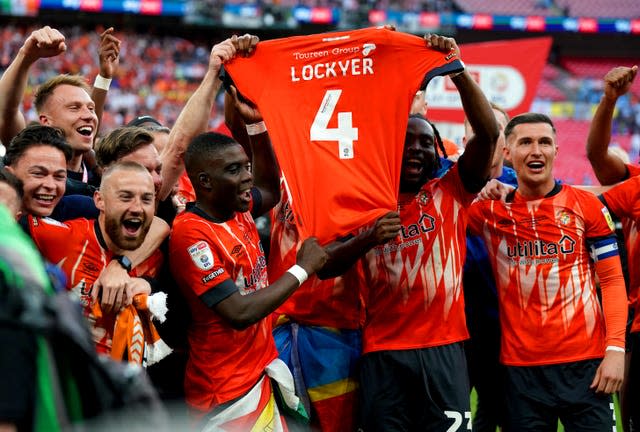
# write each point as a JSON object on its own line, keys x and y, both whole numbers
{"x": 345, "y": 133}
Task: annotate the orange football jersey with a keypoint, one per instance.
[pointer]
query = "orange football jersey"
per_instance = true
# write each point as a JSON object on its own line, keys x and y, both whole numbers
{"x": 539, "y": 251}
{"x": 624, "y": 202}
{"x": 78, "y": 248}
{"x": 224, "y": 363}
{"x": 336, "y": 107}
{"x": 414, "y": 282}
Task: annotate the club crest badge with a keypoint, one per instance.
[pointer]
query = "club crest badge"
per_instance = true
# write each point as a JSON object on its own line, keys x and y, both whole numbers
{"x": 423, "y": 198}
{"x": 564, "y": 218}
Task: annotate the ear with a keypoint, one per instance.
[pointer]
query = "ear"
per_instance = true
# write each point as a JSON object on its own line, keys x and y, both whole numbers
{"x": 99, "y": 200}
{"x": 10, "y": 169}
{"x": 507, "y": 153}
{"x": 44, "y": 120}
{"x": 205, "y": 180}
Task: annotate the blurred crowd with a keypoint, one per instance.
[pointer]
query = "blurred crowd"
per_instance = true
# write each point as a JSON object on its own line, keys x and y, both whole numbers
{"x": 157, "y": 74}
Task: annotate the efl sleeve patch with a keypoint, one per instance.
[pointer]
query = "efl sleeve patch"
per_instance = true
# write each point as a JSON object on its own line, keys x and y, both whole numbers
{"x": 604, "y": 248}
{"x": 608, "y": 218}
{"x": 201, "y": 255}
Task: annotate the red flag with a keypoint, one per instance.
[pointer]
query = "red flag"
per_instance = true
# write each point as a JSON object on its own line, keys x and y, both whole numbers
{"x": 507, "y": 71}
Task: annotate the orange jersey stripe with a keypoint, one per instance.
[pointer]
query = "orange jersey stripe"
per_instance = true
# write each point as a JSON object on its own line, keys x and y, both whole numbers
{"x": 549, "y": 310}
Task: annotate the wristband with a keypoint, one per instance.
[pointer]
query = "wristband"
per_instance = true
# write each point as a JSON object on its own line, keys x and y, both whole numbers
{"x": 256, "y": 128}
{"x": 615, "y": 348}
{"x": 464, "y": 67}
{"x": 102, "y": 83}
{"x": 299, "y": 273}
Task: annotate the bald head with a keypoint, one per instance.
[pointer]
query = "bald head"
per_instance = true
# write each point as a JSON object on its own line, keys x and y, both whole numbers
{"x": 118, "y": 168}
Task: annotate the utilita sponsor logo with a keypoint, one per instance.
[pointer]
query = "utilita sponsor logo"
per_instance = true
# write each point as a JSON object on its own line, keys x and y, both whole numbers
{"x": 540, "y": 248}
{"x": 425, "y": 224}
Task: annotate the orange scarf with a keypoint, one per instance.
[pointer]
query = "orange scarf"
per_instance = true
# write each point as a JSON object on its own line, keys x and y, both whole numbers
{"x": 134, "y": 330}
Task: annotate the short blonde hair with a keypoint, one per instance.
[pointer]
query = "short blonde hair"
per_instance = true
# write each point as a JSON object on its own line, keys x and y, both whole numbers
{"x": 46, "y": 89}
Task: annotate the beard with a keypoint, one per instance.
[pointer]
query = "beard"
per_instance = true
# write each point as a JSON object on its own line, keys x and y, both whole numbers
{"x": 114, "y": 230}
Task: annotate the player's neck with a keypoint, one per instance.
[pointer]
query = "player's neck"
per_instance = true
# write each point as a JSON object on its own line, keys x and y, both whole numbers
{"x": 75, "y": 164}
{"x": 535, "y": 190}
{"x": 213, "y": 212}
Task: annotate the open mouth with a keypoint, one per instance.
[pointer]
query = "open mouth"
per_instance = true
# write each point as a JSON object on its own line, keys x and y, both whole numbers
{"x": 45, "y": 198}
{"x": 413, "y": 166}
{"x": 536, "y": 165}
{"x": 85, "y": 131}
{"x": 132, "y": 226}
{"x": 245, "y": 196}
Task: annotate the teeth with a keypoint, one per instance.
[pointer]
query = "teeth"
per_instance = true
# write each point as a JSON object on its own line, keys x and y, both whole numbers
{"x": 45, "y": 197}
{"x": 85, "y": 130}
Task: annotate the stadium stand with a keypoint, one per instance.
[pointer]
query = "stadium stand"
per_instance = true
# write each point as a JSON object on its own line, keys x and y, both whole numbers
{"x": 600, "y": 9}
{"x": 570, "y": 8}
{"x": 510, "y": 7}
{"x": 159, "y": 86}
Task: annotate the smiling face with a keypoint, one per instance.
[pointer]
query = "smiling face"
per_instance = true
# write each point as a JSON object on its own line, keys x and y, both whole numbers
{"x": 43, "y": 172}
{"x": 126, "y": 201}
{"x": 419, "y": 157}
{"x": 71, "y": 109}
{"x": 531, "y": 148}
{"x": 230, "y": 180}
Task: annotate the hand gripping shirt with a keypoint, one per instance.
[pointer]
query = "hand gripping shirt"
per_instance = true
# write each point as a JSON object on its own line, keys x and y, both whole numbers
{"x": 415, "y": 281}
{"x": 336, "y": 107}
{"x": 539, "y": 252}
{"x": 79, "y": 249}
{"x": 332, "y": 302}
{"x": 623, "y": 201}
{"x": 205, "y": 255}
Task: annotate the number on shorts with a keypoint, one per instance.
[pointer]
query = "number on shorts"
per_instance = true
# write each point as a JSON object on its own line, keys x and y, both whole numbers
{"x": 457, "y": 420}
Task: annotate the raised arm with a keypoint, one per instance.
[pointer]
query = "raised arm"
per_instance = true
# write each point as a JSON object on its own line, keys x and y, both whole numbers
{"x": 45, "y": 42}
{"x": 265, "y": 168}
{"x": 194, "y": 117}
{"x": 608, "y": 167}
{"x": 109, "y": 56}
{"x": 475, "y": 162}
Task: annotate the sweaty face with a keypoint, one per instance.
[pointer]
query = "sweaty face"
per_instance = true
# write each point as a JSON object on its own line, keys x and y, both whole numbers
{"x": 71, "y": 109}
{"x": 127, "y": 203}
{"x": 531, "y": 148}
{"x": 148, "y": 157}
{"x": 231, "y": 181}
{"x": 419, "y": 157}
{"x": 43, "y": 171}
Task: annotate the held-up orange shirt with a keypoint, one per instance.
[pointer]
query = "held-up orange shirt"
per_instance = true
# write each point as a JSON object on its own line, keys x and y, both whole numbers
{"x": 336, "y": 106}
